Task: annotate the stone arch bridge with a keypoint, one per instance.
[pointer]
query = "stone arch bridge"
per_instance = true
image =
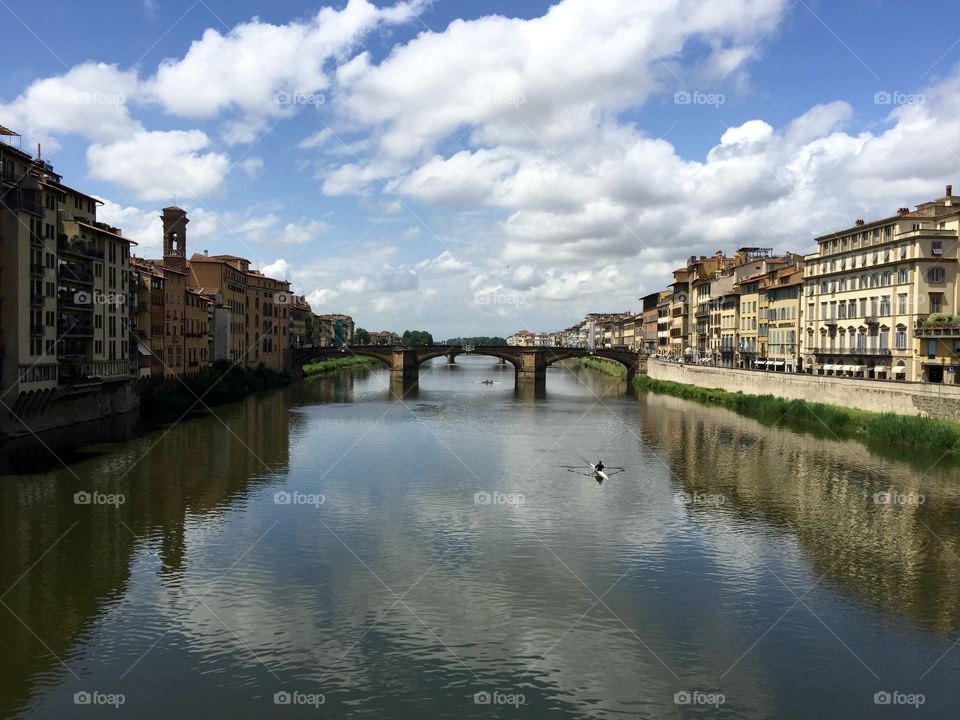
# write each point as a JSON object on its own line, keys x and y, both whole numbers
{"x": 530, "y": 364}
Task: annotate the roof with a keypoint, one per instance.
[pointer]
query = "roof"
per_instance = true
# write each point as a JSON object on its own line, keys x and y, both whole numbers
{"x": 105, "y": 232}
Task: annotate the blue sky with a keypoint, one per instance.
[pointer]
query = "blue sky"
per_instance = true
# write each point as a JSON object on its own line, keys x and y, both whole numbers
{"x": 426, "y": 165}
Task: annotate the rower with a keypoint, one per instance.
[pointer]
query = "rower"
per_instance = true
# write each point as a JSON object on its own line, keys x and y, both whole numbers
{"x": 599, "y": 466}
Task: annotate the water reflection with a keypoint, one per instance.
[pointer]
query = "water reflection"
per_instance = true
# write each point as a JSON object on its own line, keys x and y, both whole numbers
{"x": 447, "y": 552}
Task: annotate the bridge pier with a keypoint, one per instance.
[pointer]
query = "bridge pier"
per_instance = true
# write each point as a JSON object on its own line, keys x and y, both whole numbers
{"x": 451, "y": 359}
{"x": 532, "y": 367}
{"x": 404, "y": 365}
{"x": 403, "y": 387}
{"x": 530, "y": 389}
{"x": 502, "y": 361}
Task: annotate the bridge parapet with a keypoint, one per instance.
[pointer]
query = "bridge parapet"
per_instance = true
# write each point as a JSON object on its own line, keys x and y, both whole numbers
{"x": 529, "y": 363}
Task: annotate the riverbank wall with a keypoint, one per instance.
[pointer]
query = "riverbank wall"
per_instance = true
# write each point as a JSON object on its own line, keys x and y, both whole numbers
{"x": 46, "y": 410}
{"x": 917, "y": 399}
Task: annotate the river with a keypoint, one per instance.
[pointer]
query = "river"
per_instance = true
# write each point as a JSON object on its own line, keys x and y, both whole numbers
{"x": 331, "y": 550}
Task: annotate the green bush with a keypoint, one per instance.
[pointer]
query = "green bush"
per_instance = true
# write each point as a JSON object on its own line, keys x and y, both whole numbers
{"x": 887, "y": 428}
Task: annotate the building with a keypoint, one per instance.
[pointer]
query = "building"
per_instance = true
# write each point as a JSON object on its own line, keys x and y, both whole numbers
{"x": 663, "y": 323}
{"x": 384, "y": 337}
{"x": 679, "y": 313}
{"x": 521, "y": 338}
{"x": 646, "y": 335}
{"x": 876, "y": 295}
{"x": 784, "y": 289}
{"x": 64, "y": 282}
{"x": 333, "y": 330}
{"x": 301, "y": 322}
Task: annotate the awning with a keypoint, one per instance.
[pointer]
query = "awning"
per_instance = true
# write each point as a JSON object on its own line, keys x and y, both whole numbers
{"x": 899, "y": 370}
{"x": 858, "y": 368}
{"x": 144, "y": 350}
{"x": 758, "y": 363}
{"x": 828, "y": 368}
{"x": 778, "y": 363}
{"x": 880, "y": 369}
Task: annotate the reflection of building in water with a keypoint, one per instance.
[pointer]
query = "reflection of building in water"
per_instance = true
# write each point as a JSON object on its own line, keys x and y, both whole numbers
{"x": 904, "y": 552}
{"x": 59, "y": 587}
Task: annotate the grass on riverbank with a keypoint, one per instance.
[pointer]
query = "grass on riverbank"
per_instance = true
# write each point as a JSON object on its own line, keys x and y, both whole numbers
{"x": 604, "y": 366}
{"x": 221, "y": 383}
{"x": 340, "y": 363}
{"x": 889, "y": 428}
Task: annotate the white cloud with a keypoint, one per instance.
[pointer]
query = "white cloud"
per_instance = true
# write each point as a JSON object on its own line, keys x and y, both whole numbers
{"x": 279, "y": 269}
{"x": 92, "y": 100}
{"x": 252, "y": 167}
{"x": 158, "y": 165}
{"x": 142, "y": 226}
{"x": 263, "y": 69}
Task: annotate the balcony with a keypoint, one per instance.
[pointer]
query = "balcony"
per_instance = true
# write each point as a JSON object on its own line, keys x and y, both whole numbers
{"x": 70, "y": 349}
{"x": 73, "y": 301}
{"x": 872, "y": 320}
{"x": 862, "y": 352}
{"x": 36, "y": 240}
{"x": 36, "y": 299}
{"x": 66, "y": 328}
{"x": 73, "y": 274}
{"x": 934, "y": 329}
{"x": 36, "y": 328}
{"x": 36, "y": 269}
{"x": 79, "y": 247}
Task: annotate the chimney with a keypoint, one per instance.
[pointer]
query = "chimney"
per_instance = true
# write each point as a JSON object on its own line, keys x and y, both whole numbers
{"x": 859, "y": 223}
{"x": 206, "y": 254}
{"x": 902, "y": 211}
{"x": 949, "y": 190}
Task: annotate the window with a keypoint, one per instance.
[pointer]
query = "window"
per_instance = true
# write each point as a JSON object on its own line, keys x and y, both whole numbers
{"x": 903, "y": 276}
{"x": 936, "y": 274}
{"x": 936, "y": 302}
{"x": 901, "y": 339}
{"x": 936, "y": 247}
{"x": 901, "y": 304}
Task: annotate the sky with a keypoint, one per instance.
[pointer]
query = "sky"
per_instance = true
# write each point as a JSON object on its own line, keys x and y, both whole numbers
{"x": 476, "y": 168}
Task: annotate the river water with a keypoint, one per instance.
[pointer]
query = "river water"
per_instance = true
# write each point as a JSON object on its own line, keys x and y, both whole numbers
{"x": 332, "y": 550}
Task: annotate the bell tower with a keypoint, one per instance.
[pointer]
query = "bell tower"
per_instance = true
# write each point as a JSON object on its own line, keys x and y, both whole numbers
{"x": 175, "y": 238}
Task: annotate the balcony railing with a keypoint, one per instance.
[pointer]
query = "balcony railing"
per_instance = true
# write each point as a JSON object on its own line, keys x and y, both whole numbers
{"x": 36, "y": 298}
{"x": 936, "y": 330}
{"x": 36, "y": 328}
{"x": 72, "y": 301}
{"x": 70, "y": 274}
{"x": 867, "y": 352}
{"x": 36, "y": 269}
{"x": 75, "y": 329}
{"x": 78, "y": 247}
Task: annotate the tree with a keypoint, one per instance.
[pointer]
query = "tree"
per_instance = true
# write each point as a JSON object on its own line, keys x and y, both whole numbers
{"x": 362, "y": 336}
{"x": 308, "y": 328}
{"x": 413, "y": 338}
{"x": 479, "y": 340}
